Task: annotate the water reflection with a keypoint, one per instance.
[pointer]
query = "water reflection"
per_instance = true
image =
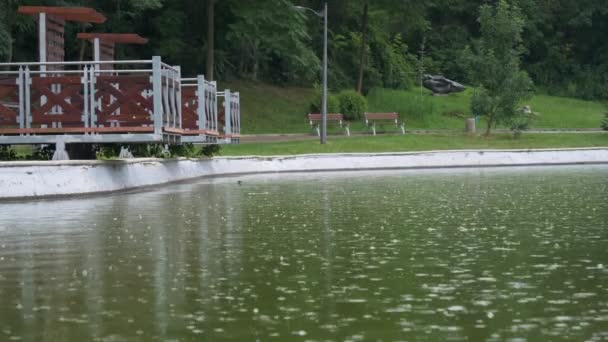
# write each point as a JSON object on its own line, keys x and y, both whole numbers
{"x": 460, "y": 254}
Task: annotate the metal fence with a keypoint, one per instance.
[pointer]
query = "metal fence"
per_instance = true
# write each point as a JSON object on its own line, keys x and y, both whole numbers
{"x": 131, "y": 101}
{"x": 200, "y": 110}
{"x": 231, "y": 117}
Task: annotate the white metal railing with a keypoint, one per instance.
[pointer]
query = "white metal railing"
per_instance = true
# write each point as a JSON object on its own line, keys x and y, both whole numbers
{"x": 200, "y": 104}
{"x": 232, "y": 115}
{"x": 135, "y": 92}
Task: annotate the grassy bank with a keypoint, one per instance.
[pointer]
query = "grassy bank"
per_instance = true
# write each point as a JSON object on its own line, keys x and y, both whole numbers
{"x": 424, "y": 111}
{"x": 271, "y": 109}
{"x": 274, "y": 109}
{"x": 419, "y": 143}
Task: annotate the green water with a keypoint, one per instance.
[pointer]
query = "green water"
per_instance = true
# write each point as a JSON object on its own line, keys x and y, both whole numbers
{"x": 479, "y": 255}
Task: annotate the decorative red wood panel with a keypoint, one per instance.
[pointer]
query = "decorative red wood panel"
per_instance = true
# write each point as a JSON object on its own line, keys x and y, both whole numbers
{"x": 127, "y": 94}
{"x": 63, "y": 92}
{"x": 9, "y": 102}
{"x": 189, "y": 108}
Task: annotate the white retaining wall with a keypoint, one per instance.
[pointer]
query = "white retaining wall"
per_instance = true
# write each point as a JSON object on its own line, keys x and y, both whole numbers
{"x": 44, "y": 179}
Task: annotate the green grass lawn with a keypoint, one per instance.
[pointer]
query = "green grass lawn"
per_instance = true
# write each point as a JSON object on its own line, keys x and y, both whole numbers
{"x": 274, "y": 109}
{"x": 426, "y": 142}
{"x": 271, "y": 109}
{"x": 444, "y": 112}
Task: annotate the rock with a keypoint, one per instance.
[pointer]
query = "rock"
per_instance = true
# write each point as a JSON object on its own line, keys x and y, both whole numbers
{"x": 441, "y": 85}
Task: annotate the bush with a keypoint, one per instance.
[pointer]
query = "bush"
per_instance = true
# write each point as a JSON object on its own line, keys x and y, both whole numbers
{"x": 210, "y": 150}
{"x": 604, "y": 123}
{"x": 43, "y": 152}
{"x": 184, "y": 150}
{"x": 352, "y": 104}
{"x": 112, "y": 151}
{"x": 521, "y": 121}
{"x": 333, "y": 103}
{"x": 7, "y": 153}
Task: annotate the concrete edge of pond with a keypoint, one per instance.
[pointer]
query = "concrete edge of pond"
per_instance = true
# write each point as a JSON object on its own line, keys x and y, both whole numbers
{"x": 33, "y": 180}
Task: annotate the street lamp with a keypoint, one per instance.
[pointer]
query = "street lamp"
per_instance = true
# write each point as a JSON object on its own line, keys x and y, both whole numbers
{"x": 322, "y": 14}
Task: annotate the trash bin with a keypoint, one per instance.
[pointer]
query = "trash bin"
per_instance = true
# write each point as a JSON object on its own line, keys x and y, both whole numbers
{"x": 470, "y": 125}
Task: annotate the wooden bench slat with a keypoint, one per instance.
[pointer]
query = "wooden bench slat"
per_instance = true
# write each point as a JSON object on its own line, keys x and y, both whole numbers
{"x": 330, "y": 117}
{"x": 381, "y": 116}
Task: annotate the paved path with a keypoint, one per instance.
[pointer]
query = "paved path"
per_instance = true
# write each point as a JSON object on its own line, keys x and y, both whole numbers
{"x": 254, "y": 138}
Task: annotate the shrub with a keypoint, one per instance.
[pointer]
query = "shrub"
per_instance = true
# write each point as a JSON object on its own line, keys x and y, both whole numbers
{"x": 604, "y": 123}
{"x": 43, "y": 152}
{"x": 210, "y": 150}
{"x": 7, "y": 153}
{"x": 111, "y": 151}
{"x": 521, "y": 121}
{"x": 184, "y": 150}
{"x": 333, "y": 103}
{"x": 352, "y": 104}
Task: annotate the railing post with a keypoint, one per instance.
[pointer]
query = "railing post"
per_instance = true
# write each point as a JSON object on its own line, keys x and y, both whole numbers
{"x": 178, "y": 91}
{"x": 237, "y": 114}
{"x": 200, "y": 102}
{"x": 92, "y": 81}
{"x": 85, "y": 83}
{"x": 157, "y": 89}
{"x": 214, "y": 105}
{"x": 166, "y": 117}
{"x": 28, "y": 101}
{"x": 21, "y": 85}
{"x": 172, "y": 100}
{"x": 227, "y": 115}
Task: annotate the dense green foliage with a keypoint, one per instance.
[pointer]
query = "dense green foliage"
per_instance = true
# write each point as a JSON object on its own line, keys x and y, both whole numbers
{"x": 352, "y": 104}
{"x": 564, "y": 49}
{"x": 494, "y": 68}
{"x": 316, "y": 104}
{"x": 7, "y": 153}
{"x": 604, "y": 123}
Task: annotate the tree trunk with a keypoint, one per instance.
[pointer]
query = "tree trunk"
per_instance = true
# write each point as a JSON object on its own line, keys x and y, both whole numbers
{"x": 256, "y": 64}
{"x": 490, "y": 123}
{"x": 363, "y": 49}
{"x": 9, "y": 55}
{"x": 210, "y": 39}
{"x": 242, "y": 63}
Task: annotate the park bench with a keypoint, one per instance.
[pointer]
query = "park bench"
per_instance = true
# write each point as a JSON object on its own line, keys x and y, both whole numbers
{"x": 316, "y": 119}
{"x": 371, "y": 119}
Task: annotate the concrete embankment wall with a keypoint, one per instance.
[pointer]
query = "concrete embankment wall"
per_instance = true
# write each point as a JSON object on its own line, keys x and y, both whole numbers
{"x": 46, "y": 179}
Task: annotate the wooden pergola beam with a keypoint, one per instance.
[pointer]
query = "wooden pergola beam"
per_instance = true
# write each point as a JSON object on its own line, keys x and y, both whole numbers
{"x": 116, "y": 38}
{"x": 78, "y": 14}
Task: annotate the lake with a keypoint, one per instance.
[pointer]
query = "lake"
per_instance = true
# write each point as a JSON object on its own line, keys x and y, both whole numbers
{"x": 448, "y": 255}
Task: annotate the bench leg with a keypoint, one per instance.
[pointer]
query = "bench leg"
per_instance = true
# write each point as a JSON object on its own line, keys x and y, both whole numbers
{"x": 374, "y": 129}
{"x": 347, "y": 131}
{"x": 402, "y": 129}
{"x": 318, "y": 131}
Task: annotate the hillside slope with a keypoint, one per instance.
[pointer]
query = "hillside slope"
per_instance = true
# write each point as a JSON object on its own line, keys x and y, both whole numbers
{"x": 273, "y": 109}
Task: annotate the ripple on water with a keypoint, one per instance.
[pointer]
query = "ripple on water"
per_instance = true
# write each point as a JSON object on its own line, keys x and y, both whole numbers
{"x": 515, "y": 255}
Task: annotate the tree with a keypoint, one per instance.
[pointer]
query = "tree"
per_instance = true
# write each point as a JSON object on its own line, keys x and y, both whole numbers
{"x": 494, "y": 65}
{"x": 363, "y": 47}
{"x": 11, "y": 26}
{"x": 210, "y": 39}
{"x": 270, "y": 39}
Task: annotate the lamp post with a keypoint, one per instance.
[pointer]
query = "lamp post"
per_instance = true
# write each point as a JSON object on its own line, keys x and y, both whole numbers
{"x": 323, "y": 15}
